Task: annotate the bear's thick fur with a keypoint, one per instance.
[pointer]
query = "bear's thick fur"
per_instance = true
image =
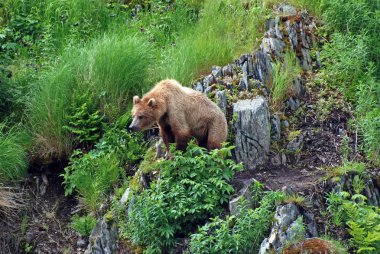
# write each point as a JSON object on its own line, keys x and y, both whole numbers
{"x": 181, "y": 113}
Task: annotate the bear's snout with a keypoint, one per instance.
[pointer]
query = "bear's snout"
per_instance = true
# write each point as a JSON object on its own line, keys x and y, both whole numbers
{"x": 133, "y": 128}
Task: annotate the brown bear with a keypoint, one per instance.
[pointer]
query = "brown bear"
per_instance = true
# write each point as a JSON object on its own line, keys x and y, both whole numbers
{"x": 181, "y": 113}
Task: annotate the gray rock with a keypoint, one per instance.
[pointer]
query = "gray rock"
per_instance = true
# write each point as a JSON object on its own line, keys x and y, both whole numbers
{"x": 318, "y": 60}
{"x": 306, "y": 59}
{"x": 276, "y": 160}
{"x": 103, "y": 238}
{"x": 81, "y": 243}
{"x": 244, "y": 80}
{"x": 243, "y": 58}
{"x": 160, "y": 149}
{"x": 286, "y": 227}
{"x": 227, "y": 70}
{"x": 276, "y": 127}
{"x": 198, "y": 87}
{"x": 283, "y": 159}
{"x": 245, "y": 192}
{"x": 293, "y": 104}
{"x": 290, "y": 29}
{"x": 277, "y": 46}
{"x": 243, "y": 85}
{"x": 221, "y": 100}
{"x": 295, "y": 144}
{"x": 217, "y": 71}
{"x": 125, "y": 197}
{"x": 304, "y": 39}
{"x": 277, "y": 29}
{"x": 250, "y": 66}
{"x": 208, "y": 81}
{"x": 262, "y": 67}
{"x": 252, "y": 138}
{"x": 309, "y": 220}
{"x": 208, "y": 90}
{"x": 285, "y": 124}
{"x": 298, "y": 89}
{"x": 287, "y": 10}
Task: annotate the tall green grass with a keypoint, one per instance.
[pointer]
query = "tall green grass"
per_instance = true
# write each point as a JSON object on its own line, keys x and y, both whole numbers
{"x": 284, "y": 75}
{"x": 111, "y": 69}
{"x": 225, "y": 29}
{"x": 352, "y": 63}
{"x": 13, "y": 156}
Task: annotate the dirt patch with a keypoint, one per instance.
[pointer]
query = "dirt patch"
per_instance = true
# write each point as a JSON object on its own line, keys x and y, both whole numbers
{"x": 43, "y": 226}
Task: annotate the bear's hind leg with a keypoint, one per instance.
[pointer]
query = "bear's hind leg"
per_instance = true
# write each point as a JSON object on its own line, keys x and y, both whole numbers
{"x": 182, "y": 139}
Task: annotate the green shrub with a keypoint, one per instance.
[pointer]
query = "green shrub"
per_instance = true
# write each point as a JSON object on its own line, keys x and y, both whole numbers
{"x": 240, "y": 233}
{"x": 362, "y": 220}
{"x": 347, "y": 167}
{"x": 13, "y": 155}
{"x": 83, "y": 121}
{"x": 113, "y": 68}
{"x": 92, "y": 176}
{"x": 83, "y": 225}
{"x": 126, "y": 146}
{"x": 192, "y": 187}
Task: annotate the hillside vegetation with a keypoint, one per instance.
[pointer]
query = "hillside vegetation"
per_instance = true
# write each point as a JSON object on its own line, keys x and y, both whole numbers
{"x": 69, "y": 70}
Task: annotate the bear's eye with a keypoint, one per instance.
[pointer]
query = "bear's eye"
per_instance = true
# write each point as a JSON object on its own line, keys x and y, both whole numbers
{"x": 140, "y": 117}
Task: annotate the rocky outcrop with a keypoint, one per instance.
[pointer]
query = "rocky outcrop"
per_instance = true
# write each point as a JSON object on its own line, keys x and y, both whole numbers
{"x": 235, "y": 87}
{"x": 103, "y": 238}
{"x": 287, "y": 227}
{"x": 244, "y": 193}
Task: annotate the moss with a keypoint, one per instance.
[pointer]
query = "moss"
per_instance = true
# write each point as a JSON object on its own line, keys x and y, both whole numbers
{"x": 294, "y": 134}
{"x": 149, "y": 164}
{"x": 109, "y": 216}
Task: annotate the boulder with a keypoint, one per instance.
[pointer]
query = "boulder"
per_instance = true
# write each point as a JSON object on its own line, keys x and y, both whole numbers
{"x": 287, "y": 227}
{"x": 252, "y": 138}
{"x": 103, "y": 238}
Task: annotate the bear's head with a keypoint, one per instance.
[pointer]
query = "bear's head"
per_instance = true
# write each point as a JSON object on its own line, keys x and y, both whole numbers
{"x": 143, "y": 113}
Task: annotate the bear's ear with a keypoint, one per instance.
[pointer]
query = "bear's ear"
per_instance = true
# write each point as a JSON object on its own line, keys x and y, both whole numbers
{"x": 152, "y": 102}
{"x": 136, "y": 99}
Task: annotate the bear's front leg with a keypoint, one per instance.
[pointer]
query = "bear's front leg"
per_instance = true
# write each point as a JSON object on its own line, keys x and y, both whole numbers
{"x": 167, "y": 136}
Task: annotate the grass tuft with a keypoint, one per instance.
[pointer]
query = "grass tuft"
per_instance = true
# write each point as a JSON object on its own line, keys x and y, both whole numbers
{"x": 111, "y": 69}
{"x": 13, "y": 156}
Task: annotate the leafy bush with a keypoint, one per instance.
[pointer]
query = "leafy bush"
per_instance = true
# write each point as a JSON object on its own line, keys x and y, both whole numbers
{"x": 362, "y": 220}
{"x": 83, "y": 120}
{"x": 192, "y": 187}
{"x": 126, "y": 146}
{"x": 240, "y": 233}
{"x": 13, "y": 156}
{"x": 92, "y": 175}
{"x": 83, "y": 225}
